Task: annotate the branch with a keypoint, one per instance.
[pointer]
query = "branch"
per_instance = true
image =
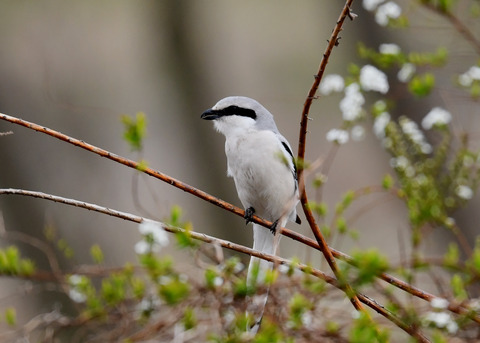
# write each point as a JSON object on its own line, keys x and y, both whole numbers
{"x": 43, "y": 275}
{"x": 327, "y": 253}
{"x": 135, "y": 165}
{"x": 456, "y": 23}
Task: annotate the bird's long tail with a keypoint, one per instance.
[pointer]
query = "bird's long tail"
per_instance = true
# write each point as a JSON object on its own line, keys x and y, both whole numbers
{"x": 266, "y": 242}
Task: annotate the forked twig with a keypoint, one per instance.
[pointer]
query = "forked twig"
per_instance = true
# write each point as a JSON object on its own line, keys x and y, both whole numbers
{"x": 332, "y": 42}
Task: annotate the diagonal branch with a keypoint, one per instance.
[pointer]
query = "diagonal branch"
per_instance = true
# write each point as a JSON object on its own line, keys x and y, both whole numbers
{"x": 44, "y": 276}
{"x": 203, "y": 195}
{"x": 327, "y": 253}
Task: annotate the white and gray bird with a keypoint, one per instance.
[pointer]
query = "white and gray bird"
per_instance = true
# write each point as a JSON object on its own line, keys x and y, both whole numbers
{"x": 260, "y": 160}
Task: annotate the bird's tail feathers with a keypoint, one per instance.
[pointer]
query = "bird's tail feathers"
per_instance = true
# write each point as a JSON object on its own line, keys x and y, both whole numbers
{"x": 263, "y": 241}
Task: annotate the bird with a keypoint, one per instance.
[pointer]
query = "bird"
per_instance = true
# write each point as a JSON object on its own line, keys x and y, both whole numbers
{"x": 262, "y": 165}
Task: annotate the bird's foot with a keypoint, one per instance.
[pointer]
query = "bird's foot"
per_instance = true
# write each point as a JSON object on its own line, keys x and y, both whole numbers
{"x": 248, "y": 214}
{"x": 273, "y": 227}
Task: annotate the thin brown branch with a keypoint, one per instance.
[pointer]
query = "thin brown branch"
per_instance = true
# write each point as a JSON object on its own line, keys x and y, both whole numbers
{"x": 220, "y": 242}
{"x": 45, "y": 276}
{"x": 458, "y": 24}
{"x": 332, "y": 42}
{"x": 135, "y": 165}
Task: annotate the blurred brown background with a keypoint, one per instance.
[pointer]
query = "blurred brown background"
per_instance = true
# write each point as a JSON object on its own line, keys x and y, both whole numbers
{"x": 76, "y": 67}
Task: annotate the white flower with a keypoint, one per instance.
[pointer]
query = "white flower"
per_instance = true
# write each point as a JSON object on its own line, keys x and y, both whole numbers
{"x": 307, "y": 319}
{"x": 380, "y": 124}
{"x": 154, "y": 228}
{"x": 74, "y": 292}
{"x": 466, "y": 79}
{"x": 351, "y": 104}
{"x": 337, "y": 136}
{"x": 474, "y": 72}
{"x": 439, "y": 303}
{"x": 283, "y": 268}
{"x": 77, "y": 296}
{"x": 373, "y": 79}
{"x": 75, "y": 279}
{"x": 452, "y": 327}
{"x": 387, "y": 11}
{"x": 358, "y": 133}
{"x": 410, "y": 128}
{"x": 371, "y": 5}
{"x": 401, "y": 162}
{"x": 464, "y": 192}
{"x": 218, "y": 281}
{"x": 437, "y": 116}
{"x": 442, "y": 320}
{"x": 142, "y": 247}
{"x": 389, "y": 49}
{"x": 331, "y": 83}
{"x": 406, "y": 72}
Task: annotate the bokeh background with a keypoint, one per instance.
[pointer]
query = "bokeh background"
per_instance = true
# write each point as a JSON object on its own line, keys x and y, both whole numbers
{"x": 76, "y": 67}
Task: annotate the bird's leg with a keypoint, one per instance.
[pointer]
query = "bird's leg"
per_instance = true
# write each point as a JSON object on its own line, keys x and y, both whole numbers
{"x": 248, "y": 214}
{"x": 273, "y": 227}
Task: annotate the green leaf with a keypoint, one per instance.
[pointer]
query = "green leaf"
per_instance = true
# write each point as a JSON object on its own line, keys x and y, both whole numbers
{"x": 388, "y": 182}
{"x": 174, "y": 291}
{"x": 96, "y": 253}
{"x": 421, "y": 85}
{"x": 11, "y": 316}
{"x": 189, "y": 319}
{"x": 134, "y": 130}
{"x": 298, "y": 306}
{"x": 369, "y": 265}
{"x": 452, "y": 256}
{"x": 458, "y": 287}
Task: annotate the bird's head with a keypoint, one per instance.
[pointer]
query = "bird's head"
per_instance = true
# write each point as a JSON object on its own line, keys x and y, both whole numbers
{"x": 239, "y": 113}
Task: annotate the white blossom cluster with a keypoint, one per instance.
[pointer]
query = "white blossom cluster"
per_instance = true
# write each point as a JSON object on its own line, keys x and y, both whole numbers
{"x": 75, "y": 293}
{"x": 373, "y": 79}
{"x": 464, "y": 192}
{"x": 406, "y": 72}
{"x": 402, "y": 163}
{"x": 380, "y": 123}
{"x": 351, "y": 104}
{"x": 338, "y": 136}
{"x": 389, "y": 49}
{"x": 331, "y": 83}
{"x": 466, "y": 79}
{"x": 158, "y": 234}
{"x": 436, "y": 117}
{"x": 383, "y": 11}
{"x": 410, "y": 128}
{"x": 440, "y": 319}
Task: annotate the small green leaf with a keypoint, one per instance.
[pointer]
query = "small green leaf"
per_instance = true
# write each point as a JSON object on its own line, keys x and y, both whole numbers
{"x": 11, "y": 316}
{"x": 189, "y": 319}
{"x": 97, "y": 254}
{"x": 452, "y": 256}
{"x": 174, "y": 291}
{"x": 134, "y": 130}
{"x": 422, "y": 85}
{"x": 388, "y": 182}
{"x": 341, "y": 225}
{"x": 458, "y": 287}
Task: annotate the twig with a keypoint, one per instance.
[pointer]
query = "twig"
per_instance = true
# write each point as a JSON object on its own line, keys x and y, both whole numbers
{"x": 226, "y": 244}
{"x": 456, "y": 23}
{"x": 332, "y": 42}
{"x": 149, "y": 171}
{"x": 45, "y": 276}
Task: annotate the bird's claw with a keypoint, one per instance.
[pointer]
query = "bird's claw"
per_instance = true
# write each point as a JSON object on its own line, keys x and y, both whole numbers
{"x": 248, "y": 214}
{"x": 273, "y": 227}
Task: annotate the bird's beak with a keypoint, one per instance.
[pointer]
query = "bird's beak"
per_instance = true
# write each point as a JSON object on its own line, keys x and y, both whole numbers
{"x": 210, "y": 114}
